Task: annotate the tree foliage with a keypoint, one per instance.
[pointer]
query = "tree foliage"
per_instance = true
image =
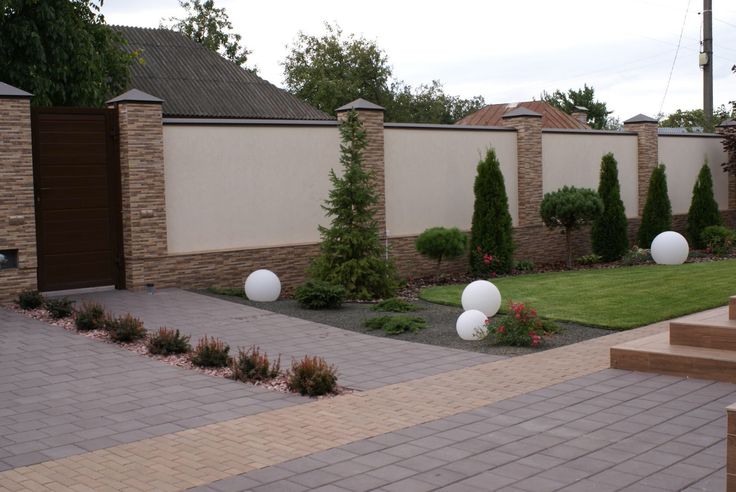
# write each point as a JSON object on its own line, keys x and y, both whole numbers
{"x": 490, "y": 233}
{"x": 428, "y": 104}
{"x": 585, "y": 97}
{"x": 657, "y": 215}
{"x": 703, "y": 210}
{"x": 570, "y": 208}
{"x": 439, "y": 243}
{"x": 62, "y": 52}
{"x": 210, "y": 27}
{"x": 350, "y": 251}
{"x": 609, "y": 232}
{"x": 695, "y": 118}
{"x": 729, "y": 147}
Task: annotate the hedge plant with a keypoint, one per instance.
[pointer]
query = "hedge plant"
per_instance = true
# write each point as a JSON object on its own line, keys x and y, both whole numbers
{"x": 657, "y": 215}
{"x": 703, "y": 210}
{"x": 609, "y": 232}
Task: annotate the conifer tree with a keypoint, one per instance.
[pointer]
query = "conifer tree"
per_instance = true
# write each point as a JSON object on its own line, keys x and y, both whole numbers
{"x": 609, "y": 231}
{"x": 703, "y": 208}
{"x": 351, "y": 254}
{"x": 491, "y": 243}
{"x": 657, "y": 215}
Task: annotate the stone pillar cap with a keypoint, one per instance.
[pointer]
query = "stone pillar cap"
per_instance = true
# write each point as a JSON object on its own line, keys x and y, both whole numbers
{"x": 360, "y": 103}
{"x": 7, "y": 90}
{"x": 641, "y": 118}
{"x": 521, "y": 111}
{"x": 134, "y": 95}
{"x": 727, "y": 123}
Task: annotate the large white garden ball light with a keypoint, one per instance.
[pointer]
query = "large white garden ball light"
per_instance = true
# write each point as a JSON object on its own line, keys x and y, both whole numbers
{"x": 471, "y": 325}
{"x": 483, "y": 296}
{"x": 670, "y": 248}
{"x": 262, "y": 286}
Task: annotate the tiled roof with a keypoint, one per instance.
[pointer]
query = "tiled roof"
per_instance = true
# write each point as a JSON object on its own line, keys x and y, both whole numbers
{"x": 492, "y": 115}
{"x": 196, "y": 82}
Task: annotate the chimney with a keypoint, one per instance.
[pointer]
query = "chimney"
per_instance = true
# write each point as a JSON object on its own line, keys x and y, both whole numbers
{"x": 580, "y": 113}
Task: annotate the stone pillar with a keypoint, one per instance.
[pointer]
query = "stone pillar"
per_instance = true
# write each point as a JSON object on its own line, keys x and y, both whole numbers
{"x": 142, "y": 183}
{"x": 731, "y": 449}
{"x": 371, "y": 115}
{"x": 647, "y": 153}
{"x": 528, "y": 126}
{"x": 17, "y": 207}
{"x": 729, "y": 126}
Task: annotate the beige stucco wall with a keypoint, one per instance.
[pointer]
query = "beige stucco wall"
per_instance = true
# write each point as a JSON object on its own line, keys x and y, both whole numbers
{"x": 683, "y": 156}
{"x": 246, "y": 186}
{"x": 574, "y": 159}
{"x": 430, "y": 175}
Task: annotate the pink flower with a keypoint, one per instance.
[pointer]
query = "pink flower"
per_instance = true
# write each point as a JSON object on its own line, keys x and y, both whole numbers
{"x": 501, "y": 329}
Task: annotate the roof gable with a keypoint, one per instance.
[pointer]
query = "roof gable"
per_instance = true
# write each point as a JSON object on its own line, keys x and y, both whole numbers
{"x": 492, "y": 115}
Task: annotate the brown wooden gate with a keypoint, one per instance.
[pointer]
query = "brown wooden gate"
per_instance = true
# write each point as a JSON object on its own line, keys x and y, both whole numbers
{"x": 76, "y": 170}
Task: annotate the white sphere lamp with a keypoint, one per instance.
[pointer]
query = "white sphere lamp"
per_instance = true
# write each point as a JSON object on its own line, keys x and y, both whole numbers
{"x": 471, "y": 325}
{"x": 483, "y": 296}
{"x": 670, "y": 248}
{"x": 262, "y": 286}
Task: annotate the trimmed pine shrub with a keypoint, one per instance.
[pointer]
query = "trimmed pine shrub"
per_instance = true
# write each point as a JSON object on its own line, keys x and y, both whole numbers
{"x": 490, "y": 233}
{"x": 168, "y": 342}
{"x": 657, "y": 215}
{"x": 319, "y": 294}
{"x": 312, "y": 376}
{"x": 703, "y": 210}
{"x": 30, "y": 299}
{"x": 59, "y": 308}
{"x": 211, "y": 352}
{"x": 438, "y": 243}
{"x": 125, "y": 329}
{"x": 252, "y": 365}
{"x": 90, "y": 316}
{"x": 609, "y": 232}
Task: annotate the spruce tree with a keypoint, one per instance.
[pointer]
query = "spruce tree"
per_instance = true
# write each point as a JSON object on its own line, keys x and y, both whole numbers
{"x": 657, "y": 215}
{"x": 491, "y": 243}
{"x": 351, "y": 254}
{"x": 609, "y": 231}
{"x": 703, "y": 208}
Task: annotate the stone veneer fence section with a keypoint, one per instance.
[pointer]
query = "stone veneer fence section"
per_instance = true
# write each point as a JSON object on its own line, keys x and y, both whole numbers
{"x": 648, "y": 150}
{"x": 528, "y": 125}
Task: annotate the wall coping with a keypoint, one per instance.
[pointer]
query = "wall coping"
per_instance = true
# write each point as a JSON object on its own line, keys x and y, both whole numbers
{"x": 581, "y": 131}
{"x": 692, "y": 135}
{"x": 434, "y": 126}
{"x": 244, "y": 122}
{"x": 9, "y": 91}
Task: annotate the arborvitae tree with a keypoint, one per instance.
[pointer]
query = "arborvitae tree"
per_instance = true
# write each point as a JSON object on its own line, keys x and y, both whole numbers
{"x": 703, "y": 208}
{"x": 570, "y": 208}
{"x": 351, "y": 251}
{"x": 490, "y": 233}
{"x": 657, "y": 215}
{"x": 609, "y": 232}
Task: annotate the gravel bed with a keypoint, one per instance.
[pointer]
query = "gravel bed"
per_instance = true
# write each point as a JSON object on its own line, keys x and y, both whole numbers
{"x": 440, "y": 328}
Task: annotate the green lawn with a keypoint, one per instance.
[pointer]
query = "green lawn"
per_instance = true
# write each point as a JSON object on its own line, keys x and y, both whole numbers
{"x": 613, "y": 298}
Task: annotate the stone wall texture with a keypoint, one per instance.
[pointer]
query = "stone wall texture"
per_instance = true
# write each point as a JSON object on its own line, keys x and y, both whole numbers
{"x": 529, "y": 163}
{"x": 17, "y": 210}
{"x": 648, "y": 154}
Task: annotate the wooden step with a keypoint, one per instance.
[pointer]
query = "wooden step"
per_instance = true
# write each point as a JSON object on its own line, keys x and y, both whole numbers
{"x": 717, "y": 334}
{"x": 656, "y": 354}
{"x": 732, "y": 307}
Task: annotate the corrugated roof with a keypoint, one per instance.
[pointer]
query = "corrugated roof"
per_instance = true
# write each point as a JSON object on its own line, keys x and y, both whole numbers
{"x": 196, "y": 82}
{"x": 492, "y": 115}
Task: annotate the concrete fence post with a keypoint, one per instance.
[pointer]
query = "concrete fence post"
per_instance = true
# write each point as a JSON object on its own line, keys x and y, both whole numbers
{"x": 528, "y": 126}
{"x": 647, "y": 153}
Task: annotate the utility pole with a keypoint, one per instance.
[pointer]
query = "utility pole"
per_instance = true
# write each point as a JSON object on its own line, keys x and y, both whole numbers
{"x": 707, "y": 63}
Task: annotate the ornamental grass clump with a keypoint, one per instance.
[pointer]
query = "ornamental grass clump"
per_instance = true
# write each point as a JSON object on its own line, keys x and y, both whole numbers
{"x": 90, "y": 316}
{"x": 252, "y": 365}
{"x": 211, "y": 352}
{"x": 168, "y": 342}
{"x": 521, "y": 327}
{"x": 312, "y": 376}
{"x": 29, "y": 299}
{"x": 125, "y": 329}
{"x": 59, "y": 308}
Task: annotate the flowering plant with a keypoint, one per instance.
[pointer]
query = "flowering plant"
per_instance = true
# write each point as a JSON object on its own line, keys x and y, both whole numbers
{"x": 521, "y": 327}
{"x": 486, "y": 262}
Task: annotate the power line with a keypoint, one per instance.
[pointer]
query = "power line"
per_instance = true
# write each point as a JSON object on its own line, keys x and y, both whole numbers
{"x": 677, "y": 51}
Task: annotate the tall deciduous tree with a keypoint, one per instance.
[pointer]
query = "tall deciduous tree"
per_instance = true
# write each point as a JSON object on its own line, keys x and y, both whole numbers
{"x": 351, "y": 251}
{"x": 609, "y": 231}
{"x": 585, "y": 97}
{"x": 695, "y": 118}
{"x": 62, "y": 52}
{"x": 657, "y": 214}
{"x": 703, "y": 208}
{"x": 210, "y": 27}
{"x": 490, "y": 233}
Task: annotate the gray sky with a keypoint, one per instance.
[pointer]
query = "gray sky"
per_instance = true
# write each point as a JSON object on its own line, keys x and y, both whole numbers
{"x": 505, "y": 51}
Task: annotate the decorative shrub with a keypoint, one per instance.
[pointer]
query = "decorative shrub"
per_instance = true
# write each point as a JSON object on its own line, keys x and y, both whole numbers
{"x": 167, "y": 342}
{"x": 609, "y": 234}
{"x": 438, "y": 243}
{"x": 394, "y": 325}
{"x": 657, "y": 215}
{"x": 252, "y": 365}
{"x": 524, "y": 266}
{"x": 490, "y": 233}
{"x": 319, "y": 294}
{"x": 60, "y": 307}
{"x": 636, "y": 256}
{"x": 30, "y": 299}
{"x": 703, "y": 208}
{"x": 312, "y": 376}
{"x": 395, "y": 305}
{"x": 228, "y": 291}
{"x": 570, "y": 208}
{"x": 590, "y": 259}
{"x": 718, "y": 240}
{"x": 211, "y": 352}
{"x": 521, "y": 327}
{"x": 125, "y": 328}
{"x": 91, "y": 316}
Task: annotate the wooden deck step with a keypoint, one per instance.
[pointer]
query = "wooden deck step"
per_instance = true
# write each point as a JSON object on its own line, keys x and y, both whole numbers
{"x": 655, "y": 354}
{"x": 732, "y": 307}
{"x": 717, "y": 334}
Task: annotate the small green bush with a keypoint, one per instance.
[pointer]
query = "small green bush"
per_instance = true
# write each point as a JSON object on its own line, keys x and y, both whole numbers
{"x": 211, "y": 352}
{"x": 228, "y": 291}
{"x": 394, "y": 325}
{"x": 524, "y": 266}
{"x": 590, "y": 259}
{"x": 395, "y": 305}
{"x": 719, "y": 240}
{"x": 59, "y": 308}
{"x": 91, "y": 316}
{"x": 30, "y": 299}
{"x": 312, "y": 376}
{"x": 636, "y": 256}
{"x": 252, "y": 365}
{"x": 319, "y": 294}
{"x": 125, "y": 329}
{"x": 521, "y": 327}
{"x": 438, "y": 243}
{"x": 167, "y": 342}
